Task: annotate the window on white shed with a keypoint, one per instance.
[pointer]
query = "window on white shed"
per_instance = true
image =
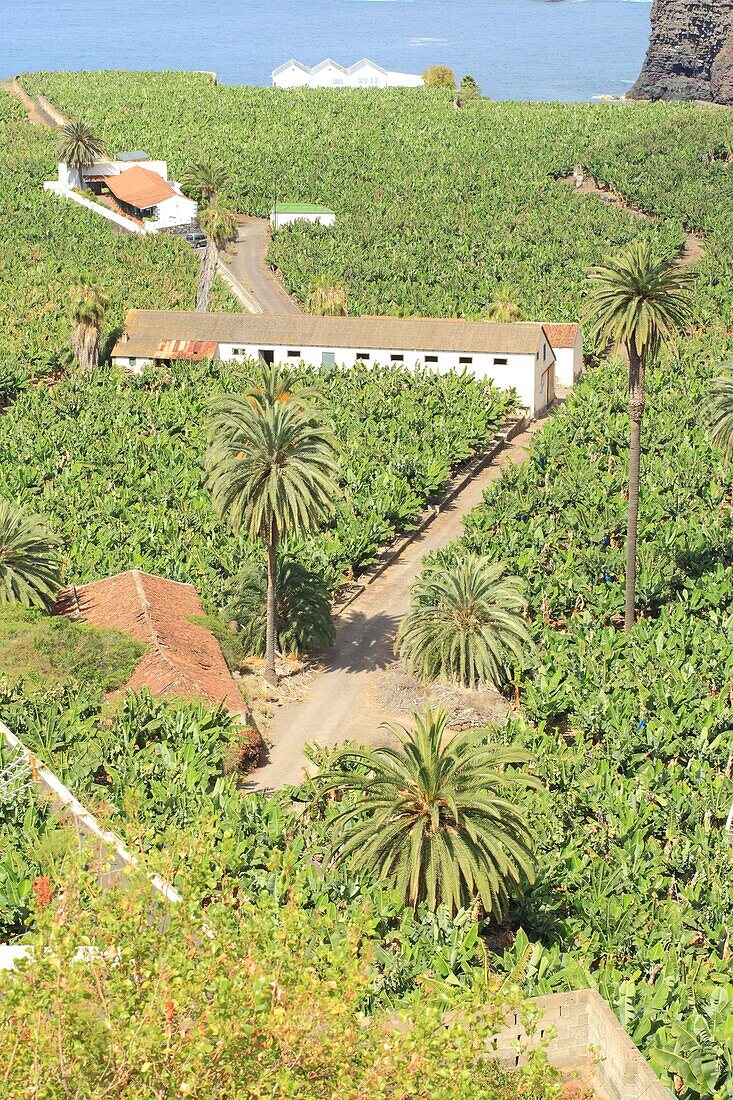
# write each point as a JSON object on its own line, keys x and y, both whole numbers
{"x": 465, "y": 360}
{"x": 362, "y": 356}
{"x": 328, "y": 358}
{"x": 397, "y": 357}
{"x": 500, "y": 362}
{"x": 293, "y": 354}
{"x": 431, "y": 358}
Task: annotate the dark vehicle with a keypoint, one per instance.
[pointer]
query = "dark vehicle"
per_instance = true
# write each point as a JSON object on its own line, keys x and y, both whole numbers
{"x": 196, "y": 238}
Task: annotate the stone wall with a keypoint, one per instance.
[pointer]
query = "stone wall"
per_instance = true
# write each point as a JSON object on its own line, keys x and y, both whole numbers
{"x": 582, "y": 1037}
{"x": 690, "y": 53}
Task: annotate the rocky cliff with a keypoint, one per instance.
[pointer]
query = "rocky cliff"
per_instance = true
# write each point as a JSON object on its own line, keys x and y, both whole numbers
{"x": 690, "y": 53}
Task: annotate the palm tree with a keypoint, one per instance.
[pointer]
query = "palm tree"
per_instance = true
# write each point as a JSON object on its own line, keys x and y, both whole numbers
{"x": 433, "y": 817}
{"x": 504, "y": 309}
{"x": 219, "y": 223}
{"x": 465, "y": 624}
{"x": 89, "y": 306}
{"x": 328, "y": 300}
{"x": 30, "y": 568}
{"x": 205, "y": 179}
{"x": 638, "y": 300}
{"x": 78, "y": 146}
{"x": 719, "y": 410}
{"x": 272, "y": 471}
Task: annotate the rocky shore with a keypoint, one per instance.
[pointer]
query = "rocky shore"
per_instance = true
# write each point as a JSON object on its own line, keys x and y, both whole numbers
{"x": 690, "y": 54}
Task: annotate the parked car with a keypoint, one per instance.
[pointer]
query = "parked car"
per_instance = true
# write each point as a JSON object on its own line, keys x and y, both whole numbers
{"x": 196, "y": 238}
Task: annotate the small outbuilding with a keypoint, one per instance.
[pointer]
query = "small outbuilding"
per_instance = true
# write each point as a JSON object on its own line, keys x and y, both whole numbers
{"x": 182, "y": 657}
{"x": 288, "y": 212}
{"x": 567, "y": 343}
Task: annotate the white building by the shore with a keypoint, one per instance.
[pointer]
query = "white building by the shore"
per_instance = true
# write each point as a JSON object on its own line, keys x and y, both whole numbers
{"x": 329, "y": 74}
{"x": 132, "y": 190}
{"x": 511, "y": 356}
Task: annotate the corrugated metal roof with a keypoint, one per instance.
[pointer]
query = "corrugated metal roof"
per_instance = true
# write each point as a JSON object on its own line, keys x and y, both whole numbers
{"x": 140, "y": 187}
{"x": 135, "y": 154}
{"x": 146, "y": 330}
{"x": 185, "y": 349}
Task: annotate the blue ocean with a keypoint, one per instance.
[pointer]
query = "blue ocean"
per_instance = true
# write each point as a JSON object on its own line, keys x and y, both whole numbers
{"x": 516, "y": 49}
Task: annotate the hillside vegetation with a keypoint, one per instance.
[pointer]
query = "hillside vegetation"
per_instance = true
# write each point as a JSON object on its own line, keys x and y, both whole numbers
{"x": 437, "y": 209}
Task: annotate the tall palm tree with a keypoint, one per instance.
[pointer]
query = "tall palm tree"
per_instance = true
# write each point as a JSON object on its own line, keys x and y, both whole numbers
{"x": 30, "y": 569}
{"x": 78, "y": 146}
{"x": 719, "y": 410}
{"x": 328, "y": 300}
{"x": 272, "y": 472}
{"x": 206, "y": 178}
{"x": 504, "y": 309}
{"x": 220, "y": 226}
{"x": 433, "y": 817}
{"x": 638, "y": 300}
{"x": 89, "y": 307}
{"x": 465, "y": 624}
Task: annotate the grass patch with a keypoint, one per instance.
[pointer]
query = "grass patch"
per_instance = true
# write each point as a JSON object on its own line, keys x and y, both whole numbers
{"x": 44, "y": 651}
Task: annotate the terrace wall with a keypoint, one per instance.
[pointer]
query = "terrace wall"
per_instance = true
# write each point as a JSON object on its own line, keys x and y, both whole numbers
{"x": 582, "y": 1036}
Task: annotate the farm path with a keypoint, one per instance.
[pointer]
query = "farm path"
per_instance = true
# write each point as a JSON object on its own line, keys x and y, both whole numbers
{"x": 245, "y": 260}
{"x": 694, "y": 247}
{"x": 36, "y": 113}
{"x": 342, "y": 700}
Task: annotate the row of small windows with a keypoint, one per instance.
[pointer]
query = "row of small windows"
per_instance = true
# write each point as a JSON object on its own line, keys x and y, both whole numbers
{"x": 328, "y": 358}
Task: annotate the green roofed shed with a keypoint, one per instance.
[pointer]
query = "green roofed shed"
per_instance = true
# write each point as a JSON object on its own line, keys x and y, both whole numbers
{"x": 284, "y": 213}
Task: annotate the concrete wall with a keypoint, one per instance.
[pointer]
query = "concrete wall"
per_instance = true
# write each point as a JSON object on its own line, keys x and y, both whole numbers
{"x": 582, "y": 1036}
{"x": 103, "y": 211}
{"x": 333, "y": 76}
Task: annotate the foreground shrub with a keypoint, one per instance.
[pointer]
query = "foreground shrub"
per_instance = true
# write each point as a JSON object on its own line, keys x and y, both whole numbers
{"x": 242, "y": 1000}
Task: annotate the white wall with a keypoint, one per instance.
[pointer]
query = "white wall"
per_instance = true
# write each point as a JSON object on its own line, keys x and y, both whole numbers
{"x": 570, "y": 362}
{"x": 292, "y": 77}
{"x": 521, "y": 372}
{"x": 530, "y": 375}
{"x": 175, "y": 211}
{"x": 368, "y": 76}
{"x": 277, "y": 221}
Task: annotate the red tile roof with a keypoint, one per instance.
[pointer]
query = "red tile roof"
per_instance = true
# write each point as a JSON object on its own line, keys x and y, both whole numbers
{"x": 561, "y": 336}
{"x": 140, "y": 187}
{"x": 183, "y": 657}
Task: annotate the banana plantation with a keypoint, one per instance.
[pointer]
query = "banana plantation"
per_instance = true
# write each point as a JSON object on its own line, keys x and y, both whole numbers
{"x": 438, "y": 212}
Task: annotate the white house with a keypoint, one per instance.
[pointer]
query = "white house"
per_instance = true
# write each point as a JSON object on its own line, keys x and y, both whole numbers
{"x": 285, "y": 213}
{"x": 329, "y": 74}
{"x": 132, "y": 189}
{"x": 567, "y": 343}
{"x": 517, "y": 356}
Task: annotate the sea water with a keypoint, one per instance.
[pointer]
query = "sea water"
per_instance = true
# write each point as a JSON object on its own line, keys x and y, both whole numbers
{"x": 516, "y": 49}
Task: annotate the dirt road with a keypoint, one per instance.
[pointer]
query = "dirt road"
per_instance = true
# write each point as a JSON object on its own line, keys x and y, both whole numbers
{"x": 341, "y": 703}
{"x": 245, "y": 259}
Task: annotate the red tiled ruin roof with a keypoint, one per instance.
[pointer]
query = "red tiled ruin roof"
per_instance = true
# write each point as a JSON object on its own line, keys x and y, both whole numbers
{"x": 140, "y": 187}
{"x": 183, "y": 657}
{"x": 186, "y": 349}
{"x": 561, "y": 336}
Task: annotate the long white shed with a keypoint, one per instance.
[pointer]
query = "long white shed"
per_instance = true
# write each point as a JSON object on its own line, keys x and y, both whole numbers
{"x": 512, "y": 356}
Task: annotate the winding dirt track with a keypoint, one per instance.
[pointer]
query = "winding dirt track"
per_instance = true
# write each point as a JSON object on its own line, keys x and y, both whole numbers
{"x": 694, "y": 247}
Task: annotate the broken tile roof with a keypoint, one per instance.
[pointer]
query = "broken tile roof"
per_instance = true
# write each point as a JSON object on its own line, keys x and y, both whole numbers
{"x": 183, "y": 657}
